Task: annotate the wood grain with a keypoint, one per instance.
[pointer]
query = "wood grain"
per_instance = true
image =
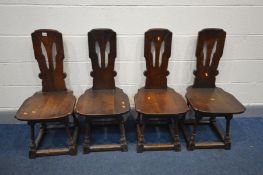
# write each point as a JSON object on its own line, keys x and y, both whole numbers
{"x": 156, "y": 57}
{"x": 156, "y": 97}
{"x": 51, "y": 71}
{"x": 214, "y": 101}
{"x": 204, "y": 97}
{"x": 102, "y": 70}
{"x": 103, "y": 102}
{"x": 47, "y": 106}
{"x": 54, "y": 103}
{"x": 159, "y": 101}
{"x": 210, "y": 46}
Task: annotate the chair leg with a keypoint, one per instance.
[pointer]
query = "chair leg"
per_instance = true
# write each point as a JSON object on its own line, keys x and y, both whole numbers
{"x": 72, "y": 145}
{"x": 175, "y": 134}
{"x": 212, "y": 119}
{"x": 87, "y": 137}
{"x": 192, "y": 137}
{"x": 76, "y": 130}
{"x": 227, "y": 139}
{"x": 123, "y": 140}
{"x": 44, "y": 127}
{"x": 140, "y": 133}
{"x": 32, "y": 146}
{"x": 75, "y": 120}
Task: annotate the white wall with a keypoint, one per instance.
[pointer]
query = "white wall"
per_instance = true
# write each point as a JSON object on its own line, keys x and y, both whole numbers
{"x": 241, "y": 67}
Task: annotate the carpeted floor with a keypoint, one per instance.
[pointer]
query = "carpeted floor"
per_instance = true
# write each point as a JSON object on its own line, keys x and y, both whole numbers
{"x": 245, "y": 157}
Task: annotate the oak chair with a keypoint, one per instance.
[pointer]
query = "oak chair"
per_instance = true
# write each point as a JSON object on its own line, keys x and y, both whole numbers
{"x": 54, "y": 103}
{"x": 103, "y": 104}
{"x": 206, "y": 100}
{"x": 156, "y": 103}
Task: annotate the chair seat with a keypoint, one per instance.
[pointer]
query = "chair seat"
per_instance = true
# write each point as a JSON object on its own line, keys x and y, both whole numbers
{"x": 47, "y": 106}
{"x": 103, "y": 102}
{"x": 214, "y": 101}
{"x": 159, "y": 101}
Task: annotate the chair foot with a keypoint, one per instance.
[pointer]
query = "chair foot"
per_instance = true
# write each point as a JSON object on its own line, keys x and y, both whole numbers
{"x": 139, "y": 148}
{"x": 191, "y": 144}
{"x": 124, "y": 146}
{"x": 86, "y": 150}
{"x": 177, "y": 145}
{"x": 177, "y": 148}
{"x": 73, "y": 150}
{"x": 190, "y": 148}
{"x": 227, "y": 143}
{"x": 32, "y": 154}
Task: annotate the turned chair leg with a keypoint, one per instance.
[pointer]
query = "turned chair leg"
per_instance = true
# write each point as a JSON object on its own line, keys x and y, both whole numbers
{"x": 75, "y": 120}
{"x": 87, "y": 137}
{"x": 32, "y": 146}
{"x": 72, "y": 145}
{"x": 227, "y": 139}
{"x": 140, "y": 133}
{"x": 176, "y": 139}
{"x": 212, "y": 119}
{"x": 192, "y": 136}
{"x": 123, "y": 140}
{"x": 44, "y": 127}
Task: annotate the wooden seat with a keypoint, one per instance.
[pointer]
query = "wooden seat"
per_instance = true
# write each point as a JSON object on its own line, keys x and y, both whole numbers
{"x": 213, "y": 100}
{"x": 159, "y": 102}
{"x": 207, "y": 101}
{"x": 103, "y": 101}
{"x": 55, "y": 103}
{"x": 47, "y": 106}
{"x": 156, "y": 103}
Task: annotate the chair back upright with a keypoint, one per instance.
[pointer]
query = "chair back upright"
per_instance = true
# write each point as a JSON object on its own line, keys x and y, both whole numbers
{"x": 49, "y": 53}
{"x": 210, "y": 46}
{"x": 157, "y": 51}
{"x": 102, "y": 52}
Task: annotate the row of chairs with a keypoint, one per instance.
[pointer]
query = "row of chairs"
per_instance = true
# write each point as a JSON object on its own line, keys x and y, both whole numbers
{"x": 104, "y": 103}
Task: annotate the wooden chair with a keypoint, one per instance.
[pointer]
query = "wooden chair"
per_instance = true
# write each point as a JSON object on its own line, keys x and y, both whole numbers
{"x": 205, "y": 99}
{"x": 104, "y": 103}
{"x": 156, "y": 103}
{"x": 54, "y": 103}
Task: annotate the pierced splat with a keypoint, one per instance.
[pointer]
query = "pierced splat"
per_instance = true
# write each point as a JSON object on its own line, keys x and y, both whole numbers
{"x": 209, "y": 50}
{"x": 102, "y": 52}
{"x": 49, "y": 53}
{"x": 157, "y": 50}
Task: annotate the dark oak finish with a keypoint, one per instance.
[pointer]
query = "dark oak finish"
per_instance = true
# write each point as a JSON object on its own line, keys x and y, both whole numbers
{"x": 214, "y": 101}
{"x": 55, "y": 103}
{"x": 208, "y": 101}
{"x": 159, "y": 102}
{"x": 102, "y": 52}
{"x": 103, "y": 101}
{"x": 47, "y": 106}
{"x": 156, "y": 103}
{"x": 51, "y": 63}
{"x": 157, "y": 51}
{"x": 209, "y": 50}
